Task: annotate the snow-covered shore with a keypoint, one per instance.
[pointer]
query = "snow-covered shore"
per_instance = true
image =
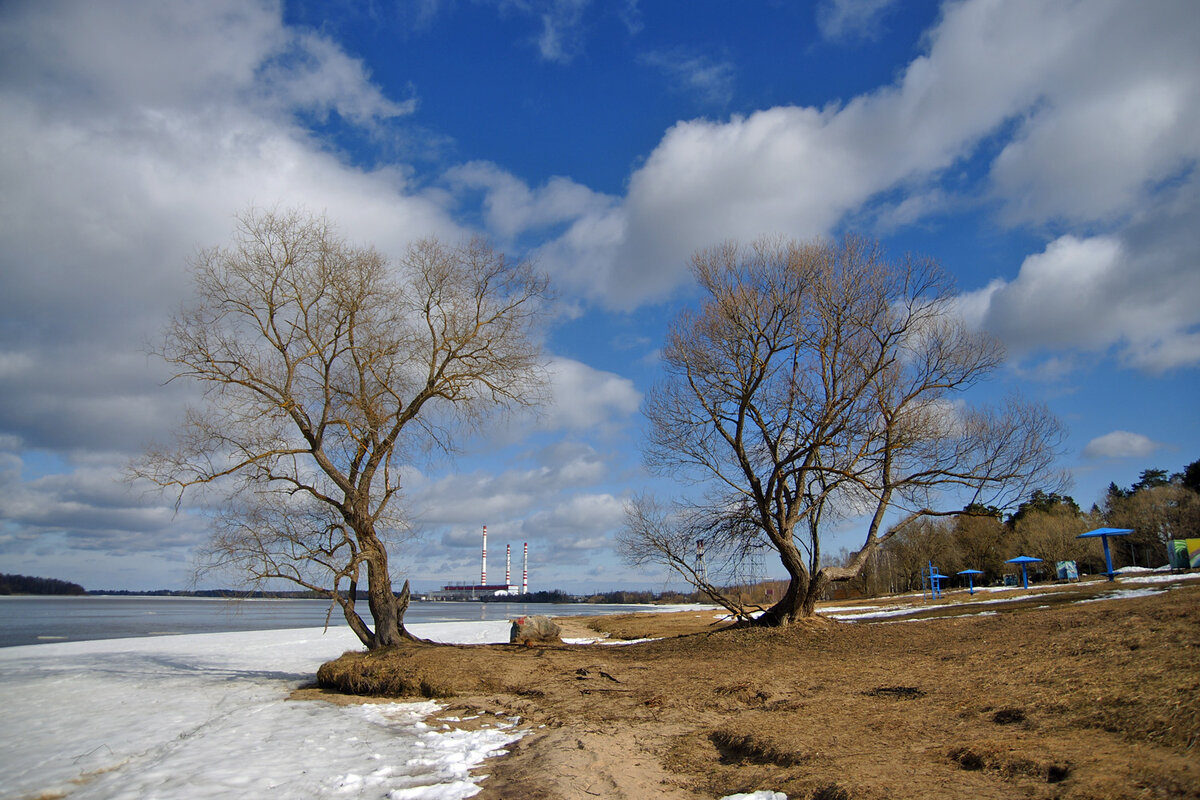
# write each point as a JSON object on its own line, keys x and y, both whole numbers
{"x": 206, "y": 716}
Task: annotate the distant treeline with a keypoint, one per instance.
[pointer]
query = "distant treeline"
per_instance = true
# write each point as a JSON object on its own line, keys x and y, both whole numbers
{"x": 20, "y": 584}
{"x": 617, "y": 598}
{"x": 630, "y": 598}
{"x": 26, "y": 584}
{"x": 232, "y": 594}
{"x": 553, "y": 596}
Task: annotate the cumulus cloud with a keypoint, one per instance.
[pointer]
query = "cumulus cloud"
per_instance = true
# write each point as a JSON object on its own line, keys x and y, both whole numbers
{"x": 134, "y": 135}
{"x": 801, "y": 170}
{"x": 1132, "y": 291}
{"x": 87, "y": 508}
{"x": 579, "y": 523}
{"x": 1121, "y": 444}
{"x": 1090, "y": 108}
{"x": 134, "y": 132}
{"x": 512, "y": 208}
{"x": 586, "y": 398}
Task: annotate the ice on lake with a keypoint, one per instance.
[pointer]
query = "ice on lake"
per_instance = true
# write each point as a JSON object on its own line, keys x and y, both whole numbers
{"x": 207, "y": 716}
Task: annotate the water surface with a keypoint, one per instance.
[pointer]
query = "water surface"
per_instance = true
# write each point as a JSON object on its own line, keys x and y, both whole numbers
{"x": 34, "y": 620}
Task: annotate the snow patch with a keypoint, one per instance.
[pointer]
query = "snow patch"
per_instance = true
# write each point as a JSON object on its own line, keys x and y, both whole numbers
{"x": 1184, "y": 576}
{"x": 1122, "y": 594}
{"x": 207, "y": 716}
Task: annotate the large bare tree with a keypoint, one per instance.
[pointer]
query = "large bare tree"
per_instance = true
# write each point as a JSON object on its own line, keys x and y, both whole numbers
{"x": 818, "y": 382}
{"x": 321, "y": 364}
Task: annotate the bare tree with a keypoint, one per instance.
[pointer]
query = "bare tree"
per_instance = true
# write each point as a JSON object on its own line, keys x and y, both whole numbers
{"x": 817, "y": 382}
{"x": 321, "y": 363}
{"x": 1156, "y": 514}
{"x": 1053, "y": 535}
{"x": 982, "y": 543}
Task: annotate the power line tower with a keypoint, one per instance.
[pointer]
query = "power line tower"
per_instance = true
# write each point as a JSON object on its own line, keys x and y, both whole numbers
{"x": 701, "y": 567}
{"x": 755, "y": 563}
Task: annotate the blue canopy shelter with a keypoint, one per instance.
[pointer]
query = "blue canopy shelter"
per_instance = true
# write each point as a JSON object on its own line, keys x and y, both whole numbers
{"x": 1024, "y": 561}
{"x": 1104, "y": 533}
{"x": 971, "y": 573}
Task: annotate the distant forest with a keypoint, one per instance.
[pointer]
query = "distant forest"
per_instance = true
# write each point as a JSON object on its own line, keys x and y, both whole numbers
{"x": 25, "y": 584}
{"x": 619, "y": 598}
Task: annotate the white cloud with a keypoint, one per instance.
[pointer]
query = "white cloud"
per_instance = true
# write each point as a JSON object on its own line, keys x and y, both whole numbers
{"x": 317, "y": 76}
{"x": 1116, "y": 115}
{"x": 561, "y": 36}
{"x": 1134, "y": 291}
{"x": 588, "y": 514}
{"x": 1121, "y": 444}
{"x": 87, "y": 508}
{"x": 1094, "y": 108}
{"x": 1058, "y": 294}
{"x": 511, "y": 207}
{"x": 707, "y": 79}
{"x": 494, "y": 496}
{"x": 133, "y": 136}
{"x": 557, "y": 505}
{"x": 849, "y": 19}
{"x": 800, "y": 171}
{"x": 561, "y": 25}
{"x": 134, "y": 132}
{"x": 586, "y": 398}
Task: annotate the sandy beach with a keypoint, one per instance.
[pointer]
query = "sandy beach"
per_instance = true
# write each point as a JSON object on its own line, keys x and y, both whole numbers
{"x": 1080, "y": 691}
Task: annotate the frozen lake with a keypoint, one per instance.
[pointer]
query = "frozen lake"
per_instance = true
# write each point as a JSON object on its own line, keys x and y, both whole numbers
{"x": 38, "y": 620}
{"x": 207, "y": 716}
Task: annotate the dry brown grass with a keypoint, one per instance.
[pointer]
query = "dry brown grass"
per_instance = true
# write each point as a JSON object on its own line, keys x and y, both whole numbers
{"x": 1073, "y": 701}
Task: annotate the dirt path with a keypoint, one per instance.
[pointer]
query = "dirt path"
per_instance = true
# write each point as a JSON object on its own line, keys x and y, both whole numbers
{"x": 1098, "y": 700}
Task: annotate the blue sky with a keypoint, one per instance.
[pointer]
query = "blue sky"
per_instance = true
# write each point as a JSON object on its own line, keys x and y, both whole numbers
{"x": 1044, "y": 152}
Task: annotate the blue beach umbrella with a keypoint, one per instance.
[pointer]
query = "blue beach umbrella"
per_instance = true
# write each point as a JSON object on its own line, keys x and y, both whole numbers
{"x": 971, "y": 573}
{"x": 1104, "y": 533}
{"x": 1024, "y": 561}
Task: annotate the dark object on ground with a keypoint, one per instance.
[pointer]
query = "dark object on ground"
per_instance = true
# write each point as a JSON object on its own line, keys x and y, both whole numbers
{"x": 901, "y": 692}
{"x": 1007, "y": 716}
{"x": 534, "y": 630}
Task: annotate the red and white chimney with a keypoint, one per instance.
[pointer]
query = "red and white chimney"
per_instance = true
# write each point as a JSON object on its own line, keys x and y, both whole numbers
{"x": 525, "y": 572}
{"x": 483, "y": 569}
{"x": 508, "y": 565}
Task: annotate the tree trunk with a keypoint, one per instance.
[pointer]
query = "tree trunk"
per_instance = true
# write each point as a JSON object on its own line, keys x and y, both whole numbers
{"x": 798, "y": 602}
{"x": 791, "y": 606}
{"x": 816, "y": 588}
{"x": 352, "y": 618}
{"x": 386, "y": 609}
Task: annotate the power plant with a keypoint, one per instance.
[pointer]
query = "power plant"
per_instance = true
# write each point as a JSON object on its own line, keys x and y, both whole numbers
{"x": 483, "y": 588}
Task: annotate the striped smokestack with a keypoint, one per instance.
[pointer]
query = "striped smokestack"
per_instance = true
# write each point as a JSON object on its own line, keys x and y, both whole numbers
{"x": 525, "y": 572}
{"x": 507, "y": 565}
{"x": 483, "y": 570}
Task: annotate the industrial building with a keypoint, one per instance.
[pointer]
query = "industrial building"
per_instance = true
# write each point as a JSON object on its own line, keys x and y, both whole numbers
{"x": 484, "y": 589}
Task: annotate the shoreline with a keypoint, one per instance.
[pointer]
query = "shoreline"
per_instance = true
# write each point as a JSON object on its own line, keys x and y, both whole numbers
{"x": 1066, "y": 692}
